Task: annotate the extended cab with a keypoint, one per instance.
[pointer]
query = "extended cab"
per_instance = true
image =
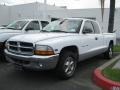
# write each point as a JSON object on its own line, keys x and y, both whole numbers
{"x": 19, "y": 27}
{"x": 62, "y": 44}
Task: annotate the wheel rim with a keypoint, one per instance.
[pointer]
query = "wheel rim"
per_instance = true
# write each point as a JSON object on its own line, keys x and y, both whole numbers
{"x": 69, "y": 66}
{"x": 110, "y": 53}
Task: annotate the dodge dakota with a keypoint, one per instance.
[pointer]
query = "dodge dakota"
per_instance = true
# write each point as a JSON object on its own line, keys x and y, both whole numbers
{"x": 60, "y": 46}
{"x": 19, "y": 27}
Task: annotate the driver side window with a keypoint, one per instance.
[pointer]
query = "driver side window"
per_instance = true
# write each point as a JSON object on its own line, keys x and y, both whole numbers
{"x": 88, "y": 28}
{"x": 34, "y": 25}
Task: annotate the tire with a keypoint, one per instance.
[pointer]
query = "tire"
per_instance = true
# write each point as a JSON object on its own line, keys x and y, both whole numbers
{"x": 109, "y": 53}
{"x": 67, "y": 65}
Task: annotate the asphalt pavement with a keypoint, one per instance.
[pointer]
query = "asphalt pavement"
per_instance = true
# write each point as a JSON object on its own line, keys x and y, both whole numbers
{"x": 10, "y": 79}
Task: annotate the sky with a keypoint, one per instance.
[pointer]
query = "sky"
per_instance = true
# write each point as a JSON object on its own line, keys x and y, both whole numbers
{"x": 71, "y": 4}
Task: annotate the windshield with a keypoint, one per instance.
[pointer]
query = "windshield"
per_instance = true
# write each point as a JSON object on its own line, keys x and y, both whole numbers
{"x": 66, "y": 26}
{"x": 18, "y": 25}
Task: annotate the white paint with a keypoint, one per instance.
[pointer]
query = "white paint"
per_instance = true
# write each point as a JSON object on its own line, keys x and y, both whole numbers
{"x": 61, "y": 40}
{"x": 5, "y": 34}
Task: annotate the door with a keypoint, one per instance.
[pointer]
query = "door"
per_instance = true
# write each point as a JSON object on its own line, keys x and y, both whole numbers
{"x": 87, "y": 41}
{"x": 99, "y": 39}
{"x": 33, "y": 27}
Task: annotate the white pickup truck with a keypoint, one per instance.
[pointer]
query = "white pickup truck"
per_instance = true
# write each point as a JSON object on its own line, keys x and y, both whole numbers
{"x": 19, "y": 27}
{"x": 62, "y": 44}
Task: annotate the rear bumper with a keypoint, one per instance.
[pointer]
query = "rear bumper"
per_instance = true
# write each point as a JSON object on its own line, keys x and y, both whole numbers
{"x": 33, "y": 62}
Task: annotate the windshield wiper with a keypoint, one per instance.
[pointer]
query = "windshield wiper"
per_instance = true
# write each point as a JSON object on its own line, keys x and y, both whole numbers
{"x": 58, "y": 31}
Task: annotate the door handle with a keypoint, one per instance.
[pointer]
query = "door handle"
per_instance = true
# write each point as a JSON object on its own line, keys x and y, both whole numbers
{"x": 85, "y": 46}
{"x": 96, "y": 38}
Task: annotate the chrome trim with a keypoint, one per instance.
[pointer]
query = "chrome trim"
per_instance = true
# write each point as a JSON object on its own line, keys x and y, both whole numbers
{"x": 23, "y": 48}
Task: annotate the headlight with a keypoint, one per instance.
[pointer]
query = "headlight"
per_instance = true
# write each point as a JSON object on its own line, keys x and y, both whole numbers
{"x": 43, "y": 50}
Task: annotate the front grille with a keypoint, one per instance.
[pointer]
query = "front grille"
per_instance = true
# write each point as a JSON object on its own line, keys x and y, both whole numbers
{"x": 23, "y": 48}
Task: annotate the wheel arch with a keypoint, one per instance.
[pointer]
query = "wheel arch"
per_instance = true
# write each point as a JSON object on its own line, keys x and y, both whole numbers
{"x": 111, "y": 42}
{"x": 72, "y": 48}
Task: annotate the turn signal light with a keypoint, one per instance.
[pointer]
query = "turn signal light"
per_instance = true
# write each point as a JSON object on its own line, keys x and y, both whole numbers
{"x": 44, "y": 53}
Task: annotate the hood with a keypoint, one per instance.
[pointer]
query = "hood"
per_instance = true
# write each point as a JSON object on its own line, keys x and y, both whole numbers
{"x": 39, "y": 37}
{"x": 8, "y": 31}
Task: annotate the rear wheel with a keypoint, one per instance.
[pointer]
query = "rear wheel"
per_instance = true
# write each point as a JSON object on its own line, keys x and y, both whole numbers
{"x": 67, "y": 64}
{"x": 109, "y": 53}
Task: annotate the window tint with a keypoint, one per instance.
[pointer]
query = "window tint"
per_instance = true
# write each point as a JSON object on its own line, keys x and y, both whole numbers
{"x": 44, "y": 23}
{"x": 88, "y": 28}
{"x": 34, "y": 25}
{"x": 96, "y": 27}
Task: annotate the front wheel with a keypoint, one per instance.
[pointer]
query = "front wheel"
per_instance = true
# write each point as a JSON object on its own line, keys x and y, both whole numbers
{"x": 109, "y": 53}
{"x": 67, "y": 65}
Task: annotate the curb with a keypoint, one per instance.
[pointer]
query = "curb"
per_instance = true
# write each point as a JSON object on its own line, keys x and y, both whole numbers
{"x": 102, "y": 81}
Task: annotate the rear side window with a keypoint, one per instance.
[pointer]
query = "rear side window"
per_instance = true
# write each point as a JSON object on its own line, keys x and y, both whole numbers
{"x": 44, "y": 23}
{"x": 96, "y": 28}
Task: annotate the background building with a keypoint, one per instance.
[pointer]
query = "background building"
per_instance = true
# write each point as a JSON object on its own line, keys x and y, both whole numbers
{"x": 49, "y": 12}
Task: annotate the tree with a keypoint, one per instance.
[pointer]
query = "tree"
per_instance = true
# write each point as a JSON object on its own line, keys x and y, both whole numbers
{"x": 111, "y": 14}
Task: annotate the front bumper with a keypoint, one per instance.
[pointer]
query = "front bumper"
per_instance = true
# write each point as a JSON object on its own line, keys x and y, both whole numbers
{"x": 32, "y": 62}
